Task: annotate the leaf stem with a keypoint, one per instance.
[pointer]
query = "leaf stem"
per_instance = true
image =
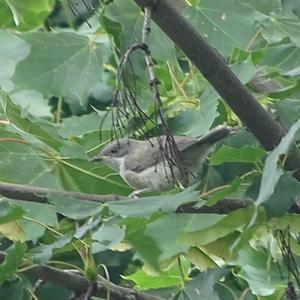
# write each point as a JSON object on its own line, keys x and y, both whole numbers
{"x": 253, "y": 39}
{"x": 58, "y": 110}
{"x": 214, "y": 190}
{"x": 10, "y": 139}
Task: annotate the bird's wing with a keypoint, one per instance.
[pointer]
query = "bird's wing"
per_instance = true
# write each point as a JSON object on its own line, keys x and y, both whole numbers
{"x": 201, "y": 147}
{"x": 153, "y": 155}
{"x": 188, "y": 147}
{"x": 150, "y": 157}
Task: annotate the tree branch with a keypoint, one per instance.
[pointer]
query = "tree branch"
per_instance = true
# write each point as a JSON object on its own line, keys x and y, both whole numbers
{"x": 215, "y": 69}
{"x": 80, "y": 285}
{"x": 38, "y": 194}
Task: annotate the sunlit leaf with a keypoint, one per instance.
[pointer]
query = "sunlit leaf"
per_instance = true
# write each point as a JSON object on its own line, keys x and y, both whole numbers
{"x": 13, "y": 231}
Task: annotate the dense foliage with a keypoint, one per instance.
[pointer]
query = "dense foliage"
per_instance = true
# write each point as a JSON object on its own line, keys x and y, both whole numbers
{"x": 58, "y": 76}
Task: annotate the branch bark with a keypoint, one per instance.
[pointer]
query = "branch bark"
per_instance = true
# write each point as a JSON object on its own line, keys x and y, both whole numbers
{"x": 215, "y": 69}
{"x": 80, "y": 285}
{"x": 38, "y": 194}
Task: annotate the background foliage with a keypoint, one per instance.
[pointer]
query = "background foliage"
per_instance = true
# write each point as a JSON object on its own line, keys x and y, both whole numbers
{"x": 57, "y": 76}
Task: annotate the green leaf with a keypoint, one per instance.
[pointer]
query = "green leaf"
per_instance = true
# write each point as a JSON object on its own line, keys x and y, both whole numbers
{"x": 200, "y": 259}
{"x": 89, "y": 177}
{"x": 60, "y": 64}
{"x": 26, "y": 11}
{"x": 223, "y": 247}
{"x": 12, "y": 51}
{"x": 281, "y": 57}
{"x": 260, "y": 271}
{"x": 9, "y": 212}
{"x": 80, "y": 125}
{"x": 233, "y": 187}
{"x": 6, "y": 19}
{"x": 73, "y": 150}
{"x": 227, "y": 225}
{"x": 16, "y": 156}
{"x": 244, "y": 70}
{"x": 74, "y": 208}
{"x": 245, "y": 154}
{"x": 32, "y": 102}
{"x": 40, "y": 215}
{"x": 275, "y": 29}
{"x": 196, "y": 122}
{"x": 288, "y": 221}
{"x": 12, "y": 259}
{"x": 128, "y": 14}
{"x": 272, "y": 172}
{"x": 264, "y": 6}
{"x": 13, "y": 290}
{"x": 221, "y": 23}
{"x": 106, "y": 237}
{"x": 292, "y": 5}
{"x": 147, "y": 280}
{"x": 203, "y": 285}
{"x": 285, "y": 194}
{"x": 86, "y": 227}
{"x": 146, "y": 206}
{"x": 288, "y": 110}
{"x": 46, "y": 133}
{"x": 146, "y": 248}
{"x": 43, "y": 252}
{"x": 144, "y": 282}
{"x": 13, "y": 231}
{"x": 169, "y": 240}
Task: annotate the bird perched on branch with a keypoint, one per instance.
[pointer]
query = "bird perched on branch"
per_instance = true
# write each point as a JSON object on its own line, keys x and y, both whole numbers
{"x": 143, "y": 166}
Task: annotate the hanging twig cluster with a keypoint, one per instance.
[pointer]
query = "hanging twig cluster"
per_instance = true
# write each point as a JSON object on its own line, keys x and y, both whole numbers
{"x": 284, "y": 242}
{"x": 125, "y": 109}
{"x": 73, "y": 4}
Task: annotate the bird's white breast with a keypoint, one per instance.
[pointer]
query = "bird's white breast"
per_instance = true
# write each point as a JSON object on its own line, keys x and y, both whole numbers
{"x": 157, "y": 177}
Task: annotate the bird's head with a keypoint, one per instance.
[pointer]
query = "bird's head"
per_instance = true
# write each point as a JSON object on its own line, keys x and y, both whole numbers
{"x": 115, "y": 153}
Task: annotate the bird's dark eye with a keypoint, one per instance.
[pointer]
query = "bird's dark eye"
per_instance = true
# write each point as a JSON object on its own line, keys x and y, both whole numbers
{"x": 113, "y": 150}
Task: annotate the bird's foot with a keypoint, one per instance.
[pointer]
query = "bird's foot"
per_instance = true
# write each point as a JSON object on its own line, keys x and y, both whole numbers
{"x": 135, "y": 194}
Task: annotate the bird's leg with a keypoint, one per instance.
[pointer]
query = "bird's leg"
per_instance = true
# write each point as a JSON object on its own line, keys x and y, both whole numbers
{"x": 181, "y": 187}
{"x": 136, "y": 193}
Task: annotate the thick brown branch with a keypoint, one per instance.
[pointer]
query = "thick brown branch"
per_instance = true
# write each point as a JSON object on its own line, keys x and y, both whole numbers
{"x": 224, "y": 206}
{"x": 38, "y": 194}
{"x": 80, "y": 285}
{"x": 215, "y": 69}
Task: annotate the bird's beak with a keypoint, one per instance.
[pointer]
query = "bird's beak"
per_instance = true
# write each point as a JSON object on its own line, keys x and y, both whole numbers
{"x": 97, "y": 158}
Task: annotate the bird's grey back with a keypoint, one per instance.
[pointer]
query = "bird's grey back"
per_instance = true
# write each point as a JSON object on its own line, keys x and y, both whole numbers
{"x": 196, "y": 148}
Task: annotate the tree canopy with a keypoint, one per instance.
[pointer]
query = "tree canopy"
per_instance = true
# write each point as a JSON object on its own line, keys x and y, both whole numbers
{"x": 68, "y": 229}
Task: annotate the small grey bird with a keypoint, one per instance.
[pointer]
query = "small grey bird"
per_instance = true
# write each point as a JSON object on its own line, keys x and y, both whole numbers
{"x": 142, "y": 164}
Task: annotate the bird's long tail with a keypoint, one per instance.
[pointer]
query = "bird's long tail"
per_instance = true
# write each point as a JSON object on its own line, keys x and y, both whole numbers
{"x": 215, "y": 135}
